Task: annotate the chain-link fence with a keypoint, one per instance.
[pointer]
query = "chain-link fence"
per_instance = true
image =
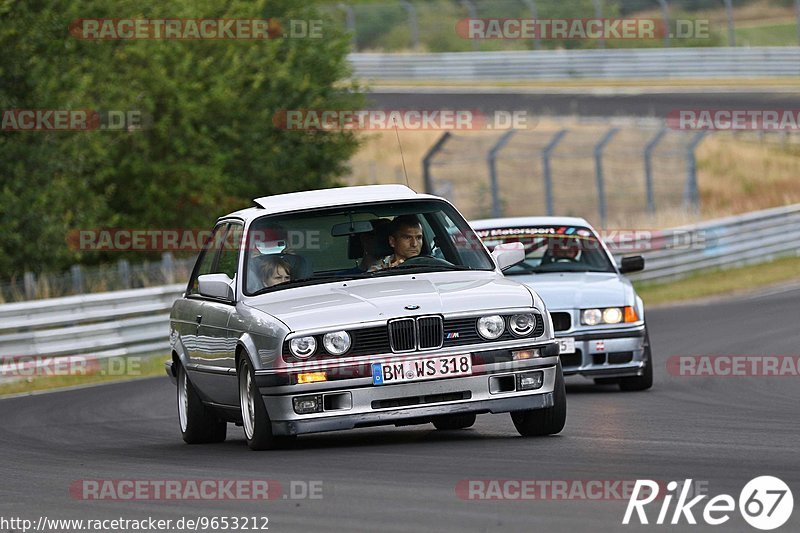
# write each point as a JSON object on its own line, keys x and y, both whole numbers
{"x": 595, "y": 171}
{"x": 441, "y": 25}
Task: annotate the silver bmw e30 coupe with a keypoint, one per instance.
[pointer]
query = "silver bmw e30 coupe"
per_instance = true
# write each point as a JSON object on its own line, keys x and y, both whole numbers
{"x": 355, "y": 307}
{"x": 598, "y": 318}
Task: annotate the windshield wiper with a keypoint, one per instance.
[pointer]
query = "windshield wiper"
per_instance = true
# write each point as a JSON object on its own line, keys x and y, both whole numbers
{"x": 313, "y": 280}
{"x": 404, "y": 269}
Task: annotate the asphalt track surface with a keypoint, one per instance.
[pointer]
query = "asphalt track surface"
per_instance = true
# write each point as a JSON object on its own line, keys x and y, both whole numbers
{"x": 589, "y": 104}
{"x": 721, "y": 431}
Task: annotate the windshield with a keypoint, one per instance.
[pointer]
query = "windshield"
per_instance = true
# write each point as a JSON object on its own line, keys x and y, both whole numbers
{"x": 552, "y": 249}
{"x": 361, "y": 241}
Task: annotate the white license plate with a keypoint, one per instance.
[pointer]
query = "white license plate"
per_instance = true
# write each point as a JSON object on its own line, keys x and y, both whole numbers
{"x": 566, "y": 345}
{"x": 421, "y": 369}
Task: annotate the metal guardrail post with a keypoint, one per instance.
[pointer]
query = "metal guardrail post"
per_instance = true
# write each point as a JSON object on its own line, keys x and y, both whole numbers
{"x": 665, "y": 16}
{"x": 491, "y": 159}
{"x": 77, "y": 279}
{"x": 427, "y": 179}
{"x": 29, "y": 284}
{"x": 168, "y": 267}
{"x": 598, "y": 172}
{"x": 413, "y": 24}
{"x": 350, "y": 20}
{"x": 691, "y": 196}
{"x": 548, "y": 178}
{"x": 473, "y": 14}
{"x": 797, "y": 16}
{"x": 537, "y": 41}
{"x": 598, "y": 14}
{"x": 124, "y": 269}
{"x": 729, "y": 16}
{"x": 648, "y": 169}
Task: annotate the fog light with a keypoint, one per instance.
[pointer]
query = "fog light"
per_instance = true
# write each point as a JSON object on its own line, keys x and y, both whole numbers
{"x": 524, "y": 354}
{"x": 530, "y": 380}
{"x": 311, "y": 377}
{"x": 304, "y": 405}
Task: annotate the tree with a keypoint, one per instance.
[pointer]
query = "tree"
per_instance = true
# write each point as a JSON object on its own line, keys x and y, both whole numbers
{"x": 208, "y": 144}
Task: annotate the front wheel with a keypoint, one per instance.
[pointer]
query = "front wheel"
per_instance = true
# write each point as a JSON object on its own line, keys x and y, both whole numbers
{"x": 199, "y": 425}
{"x": 548, "y": 421}
{"x": 255, "y": 420}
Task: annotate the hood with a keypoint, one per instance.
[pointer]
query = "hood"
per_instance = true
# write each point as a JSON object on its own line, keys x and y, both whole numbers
{"x": 580, "y": 290}
{"x": 355, "y": 301}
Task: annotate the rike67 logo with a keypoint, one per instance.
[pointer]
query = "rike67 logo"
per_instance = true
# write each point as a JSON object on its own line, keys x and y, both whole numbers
{"x": 765, "y": 503}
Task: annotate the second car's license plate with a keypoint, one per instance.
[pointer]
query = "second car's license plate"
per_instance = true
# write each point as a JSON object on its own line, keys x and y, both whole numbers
{"x": 566, "y": 344}
{"x": 421, "y": 369}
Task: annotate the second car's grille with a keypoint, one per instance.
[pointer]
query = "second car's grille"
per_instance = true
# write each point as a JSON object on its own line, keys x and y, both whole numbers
{"x": 561, "y": 321}
{"x": 429, "y": 330}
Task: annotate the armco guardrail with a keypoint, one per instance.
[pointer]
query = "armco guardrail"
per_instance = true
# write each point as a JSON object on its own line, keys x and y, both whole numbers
{"x": 136, "y": 321}
{"x": 663, "y": 63}
{"x": 734, "y": 241}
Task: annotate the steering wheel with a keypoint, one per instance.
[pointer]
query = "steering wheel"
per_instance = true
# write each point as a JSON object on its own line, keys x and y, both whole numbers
{"x": 426, "y": 260}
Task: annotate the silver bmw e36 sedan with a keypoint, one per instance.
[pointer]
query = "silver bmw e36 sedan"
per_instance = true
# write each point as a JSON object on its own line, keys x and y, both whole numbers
{"x": 356, "y": 307}
{"x": 598, "y": 318}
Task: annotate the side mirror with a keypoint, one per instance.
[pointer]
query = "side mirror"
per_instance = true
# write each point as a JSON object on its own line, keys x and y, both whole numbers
{"x": 508, "y": 254}
{"x": 216, "y": 286}
{"x": 634, "y": 263}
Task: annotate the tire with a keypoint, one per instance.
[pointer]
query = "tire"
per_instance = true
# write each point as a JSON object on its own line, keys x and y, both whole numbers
{"x": 548, "y": 421}
{"x": 645, "y": 381}
{"x": 255, "y": 420}
{"x": 198, "y": 423}
{"x": 462, "y": 421}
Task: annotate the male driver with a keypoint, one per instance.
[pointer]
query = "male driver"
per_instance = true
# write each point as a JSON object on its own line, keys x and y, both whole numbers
{"x": 405, "y": 239}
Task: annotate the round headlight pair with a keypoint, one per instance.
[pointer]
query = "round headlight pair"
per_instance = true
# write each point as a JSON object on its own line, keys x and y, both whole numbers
{"x": 491, "y": 327}
{"x": 335, "y": 343}
{"x": 609, "y": 315}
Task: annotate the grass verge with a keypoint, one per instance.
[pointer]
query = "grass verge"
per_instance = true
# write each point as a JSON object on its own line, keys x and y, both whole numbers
{"x": 57, "y": 374}
{"x": 718, "y": 282}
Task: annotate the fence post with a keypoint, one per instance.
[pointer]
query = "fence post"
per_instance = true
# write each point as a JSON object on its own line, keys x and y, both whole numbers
{"x": 168, "y": 267}
{"x": 797, "y": 16}
{"x": 598, "y": 14}
{"x": 29, "y": 283}
{"x": 729, "y": 16}
{"x": 648, "y": 169}
{"x": 427, "y": 179}
{"x": 665, "y": 16}
{"x": 413, "y": 24}
{"x": 124, "y": 269}
{"x": 350, "y": 21}
{"x": 492, "y": 161}
{"x": 691, "y": 196}
{"x": 598, "y": 169}
{"x": 473, "y": 14}
{"x": 548, "y": 179}
{"x": 77, "y": 279}
{"x": 537, "y": 42}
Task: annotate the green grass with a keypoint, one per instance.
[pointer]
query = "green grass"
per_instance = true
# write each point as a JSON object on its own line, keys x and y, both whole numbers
{"x": 767, "y": 35}
{"x": 718, "y": 282}
{"x": 98, "y": 371}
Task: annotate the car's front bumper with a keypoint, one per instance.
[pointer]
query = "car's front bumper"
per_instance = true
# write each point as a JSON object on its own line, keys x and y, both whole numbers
{"x": 606, "y": 353}
{"x": 358, "y": 403}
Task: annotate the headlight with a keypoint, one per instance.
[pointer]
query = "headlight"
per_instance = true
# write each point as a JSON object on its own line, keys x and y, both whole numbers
{"x": 336, "y": 342}
{"x": 491, "y": 327}
{"x": 522, "y": 324}
{"x": 612, "y": 315}
{"x": 591, "y": 317}
{"x": 303, "y": 347}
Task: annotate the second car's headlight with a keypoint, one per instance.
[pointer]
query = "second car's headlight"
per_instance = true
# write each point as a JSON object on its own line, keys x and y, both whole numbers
{"x": 608, "y": 315}
{"x": 591, "y": 317}
{"x": 522, "y": 324}
{"x": 612, "y": 315}
{"x": 491, "y": 327}
{"x": 303, "y": 347}
{"x": 336, "y": 342}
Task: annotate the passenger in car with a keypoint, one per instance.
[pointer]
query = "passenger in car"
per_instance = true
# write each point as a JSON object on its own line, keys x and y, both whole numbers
{"x": 274, "y": 270}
